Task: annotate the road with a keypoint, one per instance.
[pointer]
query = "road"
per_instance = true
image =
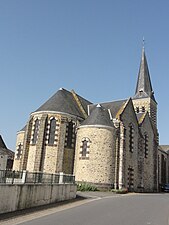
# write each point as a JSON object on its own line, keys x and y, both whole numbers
{"x": 105, "y": 209}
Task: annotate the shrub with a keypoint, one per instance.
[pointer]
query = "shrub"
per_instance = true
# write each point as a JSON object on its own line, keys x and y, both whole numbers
{"x": 86, "y": 187}
{"x": 120, "y": 191}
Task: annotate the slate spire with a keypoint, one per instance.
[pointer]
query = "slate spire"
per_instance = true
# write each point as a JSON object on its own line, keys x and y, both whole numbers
{"x": 144, "y": 87}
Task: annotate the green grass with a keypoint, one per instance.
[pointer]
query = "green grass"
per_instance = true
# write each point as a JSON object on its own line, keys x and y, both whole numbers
{"x": 86, "y": 187}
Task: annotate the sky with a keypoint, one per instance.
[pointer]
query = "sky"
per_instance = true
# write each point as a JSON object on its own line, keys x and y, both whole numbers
{"x": 91, "y": 46}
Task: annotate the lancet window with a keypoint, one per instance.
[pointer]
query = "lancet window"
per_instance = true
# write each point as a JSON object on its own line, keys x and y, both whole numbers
{"x": 35, "y": 131}
{"x": 85, "y": 145}
{"x": 70, "y": 135}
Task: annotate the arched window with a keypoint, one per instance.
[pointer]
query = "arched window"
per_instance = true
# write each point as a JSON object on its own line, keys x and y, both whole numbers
{"x": 52, "y": 131}
{"x": 19, "y": 151}
{"x": 52, "y": 128}
{"x": 35, "y": 131}
{"x": 146, "y": 145}
{"x": 70, "y": 135}
{"x": 84, "y": 148}
{"x": 131, "y": 138}
{"x": 85, "y": 145}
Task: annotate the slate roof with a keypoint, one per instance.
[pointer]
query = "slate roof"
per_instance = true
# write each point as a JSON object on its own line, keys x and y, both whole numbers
{"x": 144, "y": 87}
{"x": 23, "y": 129}
{"x": 2, "y": 143}
{"x": 9, "y": 153}
{"x": 113, "y": 106}
{"x": 4, "y": 150}
{"x": 98, "y": 116}
{"x": 139, "y": 116}
{"x": 63, "y": 101}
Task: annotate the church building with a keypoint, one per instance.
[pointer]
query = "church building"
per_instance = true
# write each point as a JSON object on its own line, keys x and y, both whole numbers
{"x": 110, "y": 144}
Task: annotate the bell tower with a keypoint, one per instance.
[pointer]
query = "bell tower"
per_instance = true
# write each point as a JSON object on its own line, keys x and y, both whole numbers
{"x": 144, "y": 99}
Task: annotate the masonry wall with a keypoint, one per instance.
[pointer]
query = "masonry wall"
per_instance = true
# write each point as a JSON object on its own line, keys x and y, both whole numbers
{"x": 98, "y": 167}
{"x": 30, "y": 195}
{"x": 19, "y": 140}
{"x": 3, "y": 161}
{"x": 163, "y": 167}
{"x": 128, "y": 168}
{"x": 149, "y": 105}
{"x": 150, "y": 160}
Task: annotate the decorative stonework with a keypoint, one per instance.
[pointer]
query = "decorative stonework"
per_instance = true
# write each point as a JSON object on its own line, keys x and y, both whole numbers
{"x": 52, "y": 130}
{"x": 19, "y": 150}
{"x": 35, "y": 130}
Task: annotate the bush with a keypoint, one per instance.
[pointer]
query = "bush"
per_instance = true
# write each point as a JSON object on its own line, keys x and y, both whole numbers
{"x": 86, "y": 187}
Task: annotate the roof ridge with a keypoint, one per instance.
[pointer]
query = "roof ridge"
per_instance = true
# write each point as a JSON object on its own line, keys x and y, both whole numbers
{"x": 79, "y": 103}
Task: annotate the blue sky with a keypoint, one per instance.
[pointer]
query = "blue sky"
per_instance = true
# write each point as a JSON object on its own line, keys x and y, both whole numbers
{"x": 91, "y": 46}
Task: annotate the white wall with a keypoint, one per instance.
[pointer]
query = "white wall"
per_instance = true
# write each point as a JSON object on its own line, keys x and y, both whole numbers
{"x": 16, "y": 197}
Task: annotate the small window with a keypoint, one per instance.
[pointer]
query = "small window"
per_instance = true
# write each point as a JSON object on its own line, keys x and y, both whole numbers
{"x": 84, "y": 148}
{"x": 85, "y": 145}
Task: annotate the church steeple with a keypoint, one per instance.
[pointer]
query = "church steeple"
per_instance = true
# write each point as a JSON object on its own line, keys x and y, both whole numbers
{"x": 144, "y": 100}
{"x": 144, "y": 87}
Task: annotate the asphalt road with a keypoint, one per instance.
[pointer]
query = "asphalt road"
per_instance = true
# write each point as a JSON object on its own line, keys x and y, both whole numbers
{"x": 106, "y": 209}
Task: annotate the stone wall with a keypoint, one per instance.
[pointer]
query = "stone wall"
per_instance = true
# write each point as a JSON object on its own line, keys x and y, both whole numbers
{"x": 19, "y": 141}
{"x": 98, "y": 166}
{"x": 128, "y": 168}
{"x": 30, "y": 195}
{"x": 149, "y": 160}
{"x": 163, "y": 167}
{"x": 3, "y": 161}
{"x": 43, "y": 156}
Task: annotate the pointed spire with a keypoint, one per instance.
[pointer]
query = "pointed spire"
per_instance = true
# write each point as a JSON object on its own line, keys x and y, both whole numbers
{"x": 144, "y": 87}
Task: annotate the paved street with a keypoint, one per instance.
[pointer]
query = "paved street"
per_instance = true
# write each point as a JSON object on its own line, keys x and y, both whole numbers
{"x": 105, "y": 209}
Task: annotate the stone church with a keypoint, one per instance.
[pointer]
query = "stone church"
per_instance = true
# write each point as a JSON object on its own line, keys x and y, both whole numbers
{"x": 110, "y": 144}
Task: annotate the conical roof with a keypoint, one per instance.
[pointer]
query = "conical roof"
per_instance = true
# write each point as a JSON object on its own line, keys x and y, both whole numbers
{"x": 144, "y": 87}
{"x": 99, "y": 116}
{"x": 63, "y": 101}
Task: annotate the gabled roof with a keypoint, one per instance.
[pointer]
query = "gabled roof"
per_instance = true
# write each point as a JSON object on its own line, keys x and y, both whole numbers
{"x": 144, "y": 87}
{"x": 64, "y": 101}
{"x": 113, "y": 106}
{"x": 98, "y": 116}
